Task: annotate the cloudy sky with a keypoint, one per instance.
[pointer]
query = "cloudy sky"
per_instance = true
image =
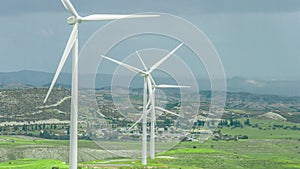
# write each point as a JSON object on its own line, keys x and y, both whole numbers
{"x": 254, "y": 38}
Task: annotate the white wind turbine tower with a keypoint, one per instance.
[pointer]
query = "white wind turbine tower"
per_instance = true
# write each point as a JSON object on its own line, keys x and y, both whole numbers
{"x": 72, "y": 43}
{"x": 147, "y": 86}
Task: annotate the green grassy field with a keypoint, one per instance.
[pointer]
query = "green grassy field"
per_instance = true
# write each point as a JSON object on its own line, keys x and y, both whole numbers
{"x": 265, "y": 130}
{"x": 267, "y": 147}
{"x": 33, "y": 164}
{"x": 13, "y": 141}
{"x": 211, "y": 154}
{"x": 246, "y": 154}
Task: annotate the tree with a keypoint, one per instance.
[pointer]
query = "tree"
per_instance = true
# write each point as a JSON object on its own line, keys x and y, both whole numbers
{"x": 68, "y": 131}
{"x": 247, "y": 122}
{"x": 24, "y": 128}
{"x": 231, "y": 122}
{"x": 16, "y": 128}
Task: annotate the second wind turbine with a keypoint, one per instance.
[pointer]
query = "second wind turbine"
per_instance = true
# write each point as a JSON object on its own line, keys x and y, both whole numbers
{"x": 147, "y": 87}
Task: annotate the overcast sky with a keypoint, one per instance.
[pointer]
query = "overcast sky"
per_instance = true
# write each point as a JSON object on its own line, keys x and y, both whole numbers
{"x": 254, "y": 38}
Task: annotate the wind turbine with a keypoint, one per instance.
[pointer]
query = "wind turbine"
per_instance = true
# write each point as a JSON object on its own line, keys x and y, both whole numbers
{"x": 147, "y": 86}
{"x": 152, "y": 86}
{"x": 72, "y": 43}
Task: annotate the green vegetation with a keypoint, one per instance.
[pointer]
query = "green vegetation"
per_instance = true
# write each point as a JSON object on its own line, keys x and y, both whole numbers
{"x": 26, "y": 104}
{"x": 271, "y": 144}
{"x": 275, "y": 154}
{"x": 266, "y": 129}
{"x": 33, "y": 164}
{"x": 243, "y": 139}
{"x": 14, "y": 141}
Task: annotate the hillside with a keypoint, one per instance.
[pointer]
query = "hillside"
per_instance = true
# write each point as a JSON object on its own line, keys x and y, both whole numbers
{"x": 254, "y": 104}
{"x": 247, "y": 137}
{"x": 27, "y": 104}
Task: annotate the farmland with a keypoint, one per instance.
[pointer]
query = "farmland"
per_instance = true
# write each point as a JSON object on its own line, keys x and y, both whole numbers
{"x": 265, "y": 148}
{"x": 256, "y": 131}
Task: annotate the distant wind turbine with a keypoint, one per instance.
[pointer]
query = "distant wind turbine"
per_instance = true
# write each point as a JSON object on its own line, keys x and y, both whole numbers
{"x": 151, "y": 102}
{"x": 147, "y": 87}
{"x": 152, "y": 86}
{"x": 72, "y": 43}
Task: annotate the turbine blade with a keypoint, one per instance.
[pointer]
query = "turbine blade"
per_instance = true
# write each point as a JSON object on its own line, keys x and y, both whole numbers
{"x": 152, "y": 80}
{"x": 164, "y": 58}
{"x": 134, "y": 69}
{"x": 104, "y": 17}
{"x": 68, "y": 5}
{"x": 149, "y": 101}
{"x": 151, "y": 96}
{"x": 148, "y": 104}
{"x": 150, "y": 88}
{"x": 70, "y": 43}
{"x": 171, "y": 86}
{"x": 63, "y": 2}
{"x": 164, "y": 110}
{"x": 140, "y": 58}
{"x": 138, "y": 121}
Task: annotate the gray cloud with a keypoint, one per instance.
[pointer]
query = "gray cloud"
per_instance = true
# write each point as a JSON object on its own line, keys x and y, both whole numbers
{"x": 254, "y": 33}
{"x": 13, "y": 7}
{"x": 17, "y": 7}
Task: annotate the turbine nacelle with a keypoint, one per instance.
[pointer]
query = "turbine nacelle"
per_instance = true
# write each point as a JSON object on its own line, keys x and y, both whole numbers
{"x": 73, "y": 19}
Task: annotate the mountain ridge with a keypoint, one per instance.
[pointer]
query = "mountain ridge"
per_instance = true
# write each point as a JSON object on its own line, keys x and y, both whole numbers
{"x": 31, "y": 78}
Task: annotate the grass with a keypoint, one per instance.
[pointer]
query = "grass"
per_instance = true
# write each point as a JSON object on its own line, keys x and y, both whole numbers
{"x": 265, "y": 148}
{"x": 12, "y": 141}
{"x": 33, "y": 164}
{"x": 239, "y": 111}
{"x": 241, "y": 154}
{"x": 265, "y": 130}
{"x": 252, "y": 153}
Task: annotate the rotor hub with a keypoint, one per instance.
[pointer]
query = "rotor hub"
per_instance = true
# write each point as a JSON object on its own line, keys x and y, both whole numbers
{"x": 71, "y": 20}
